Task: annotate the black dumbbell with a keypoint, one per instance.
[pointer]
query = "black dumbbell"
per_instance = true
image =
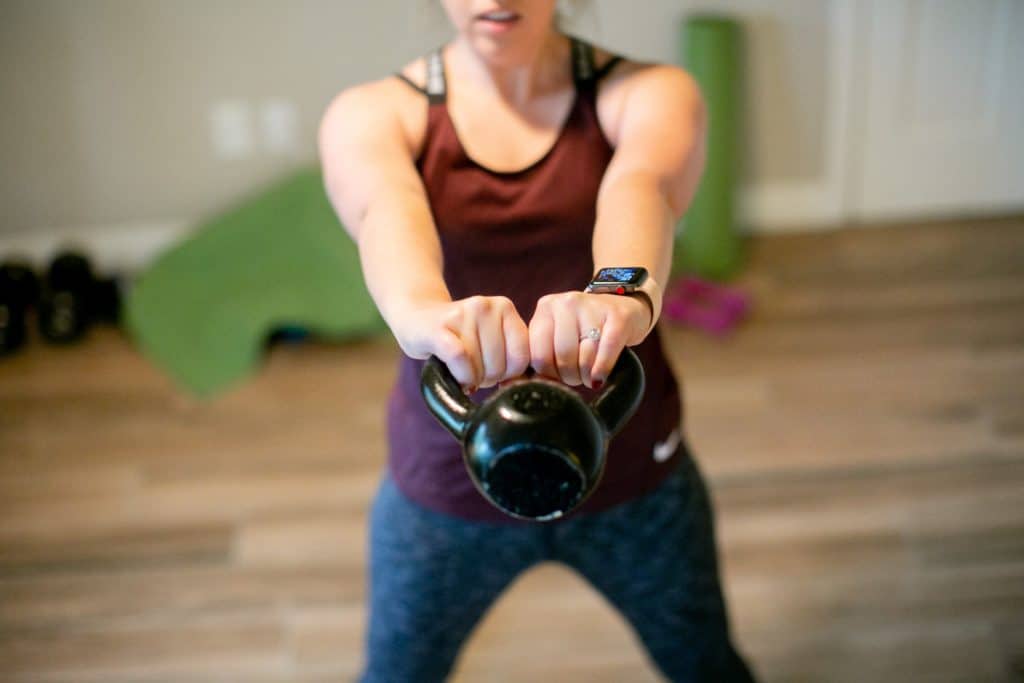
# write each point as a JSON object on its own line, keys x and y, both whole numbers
{"x": 19, "y": 290}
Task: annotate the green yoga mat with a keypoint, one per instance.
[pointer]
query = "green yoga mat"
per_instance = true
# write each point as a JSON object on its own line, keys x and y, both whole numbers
{"x": 204, "y": 309}
{"x": 708, "y": 243}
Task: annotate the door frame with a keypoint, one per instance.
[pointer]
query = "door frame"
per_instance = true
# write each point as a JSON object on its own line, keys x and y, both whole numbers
{"x": 824, "y": 202}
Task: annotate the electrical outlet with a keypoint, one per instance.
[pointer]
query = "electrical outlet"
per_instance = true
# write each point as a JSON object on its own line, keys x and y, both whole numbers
{"x": 231, "y": 129}
{"x": 279, "y": 124}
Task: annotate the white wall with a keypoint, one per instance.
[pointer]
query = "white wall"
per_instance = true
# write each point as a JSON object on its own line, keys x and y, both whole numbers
{"x": 105, "y": 123}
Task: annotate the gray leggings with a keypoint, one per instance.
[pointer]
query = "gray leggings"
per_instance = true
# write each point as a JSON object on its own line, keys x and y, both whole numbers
{"x": 433, "y": 576}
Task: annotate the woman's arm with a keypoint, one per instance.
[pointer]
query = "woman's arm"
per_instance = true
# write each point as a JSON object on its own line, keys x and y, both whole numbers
{"x": 370, "y": 175}
{"x": 372, "y": 182}
{"x": 653, "y": 175}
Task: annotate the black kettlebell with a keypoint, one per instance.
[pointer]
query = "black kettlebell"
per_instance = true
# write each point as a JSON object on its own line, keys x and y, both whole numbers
{"x": 19, "y": 289}
{"x": 65, "y": 309}
{"x": 106, "y": 300}
{"x": 535, "y": 449}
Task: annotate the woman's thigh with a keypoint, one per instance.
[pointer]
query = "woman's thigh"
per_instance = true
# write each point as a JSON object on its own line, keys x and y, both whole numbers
{"x": 431, "y": 578}
{"x": 655, "y": 559}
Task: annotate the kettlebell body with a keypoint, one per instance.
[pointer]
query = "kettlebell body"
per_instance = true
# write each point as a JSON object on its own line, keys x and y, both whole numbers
{"x": 535, "y": 449}
{"x": 19, "y": 290}
{"x": 64, "y": 308}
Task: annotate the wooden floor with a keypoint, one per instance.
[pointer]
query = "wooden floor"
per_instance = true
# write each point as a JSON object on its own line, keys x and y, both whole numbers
{"x": 863, "y": 437}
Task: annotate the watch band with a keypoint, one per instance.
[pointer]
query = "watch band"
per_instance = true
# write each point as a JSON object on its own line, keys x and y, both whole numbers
{"x": 637, "y": 291}
{"x": 646, "y": 298}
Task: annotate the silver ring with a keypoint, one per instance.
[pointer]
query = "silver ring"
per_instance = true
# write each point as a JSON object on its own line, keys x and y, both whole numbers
{"x": 593, "y": 334}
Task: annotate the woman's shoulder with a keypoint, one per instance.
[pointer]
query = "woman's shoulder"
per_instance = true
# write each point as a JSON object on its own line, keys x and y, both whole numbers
{"x": 384, "y": 102}
{"x": 415, "y": 72}
{"x": 628, "y": 83}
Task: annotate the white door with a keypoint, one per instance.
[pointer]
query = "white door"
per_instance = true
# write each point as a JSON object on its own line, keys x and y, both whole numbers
{"x": 943, "y": 109}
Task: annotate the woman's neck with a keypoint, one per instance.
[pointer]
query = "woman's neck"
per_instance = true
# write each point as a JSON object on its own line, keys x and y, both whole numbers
{"x": 518, "y": 82}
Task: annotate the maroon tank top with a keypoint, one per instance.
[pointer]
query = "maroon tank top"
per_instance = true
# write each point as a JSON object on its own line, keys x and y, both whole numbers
{"x": 522, "y": 235}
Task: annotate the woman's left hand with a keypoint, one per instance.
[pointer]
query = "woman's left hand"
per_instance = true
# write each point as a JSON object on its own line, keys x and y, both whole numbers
{"x": 562, "y": 342}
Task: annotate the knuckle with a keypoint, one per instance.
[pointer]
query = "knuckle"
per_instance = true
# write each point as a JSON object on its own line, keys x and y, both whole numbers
{"x": 478, "y": 304}
{"x": 518, "y": 360}
{"x": 541, "y": 363}
{"x": 614, "y": 318}
{"x": 494, "y": 368}
{"x": 518, "y": 334}
{"x": 451, "y": 349}
{"x": 614, "y": 341}
{"x": 613, "y": 330}
{"x": 565, "y": 360}
{"x": 538, "y": 332}
{"x": 451, "y": 316}
{"x": 503, "y": 303}
{"x": 565, "y": 302}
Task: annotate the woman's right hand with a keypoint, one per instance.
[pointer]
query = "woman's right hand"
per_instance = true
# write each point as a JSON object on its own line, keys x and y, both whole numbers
{"x": 482, "y": 339}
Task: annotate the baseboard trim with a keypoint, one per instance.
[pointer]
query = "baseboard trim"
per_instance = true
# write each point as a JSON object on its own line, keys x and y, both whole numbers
{"x": 121, "y": 249}
{"x": 790, "y": 207}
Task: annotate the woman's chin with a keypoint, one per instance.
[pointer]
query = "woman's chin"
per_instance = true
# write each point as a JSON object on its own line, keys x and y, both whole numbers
{"x": 504, "y": 52}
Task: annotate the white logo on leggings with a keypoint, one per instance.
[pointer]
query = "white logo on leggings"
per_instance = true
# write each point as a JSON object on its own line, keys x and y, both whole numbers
{"x": 663, "y": 450}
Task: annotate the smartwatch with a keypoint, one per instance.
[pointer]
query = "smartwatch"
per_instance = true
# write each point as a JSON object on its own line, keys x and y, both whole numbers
{"x": 617, "y": 281}
{"x": 626, "y": 281}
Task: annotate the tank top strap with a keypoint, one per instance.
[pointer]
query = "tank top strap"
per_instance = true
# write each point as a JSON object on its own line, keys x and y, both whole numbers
{"x": 585, "y": 73}
{"x": 436, "y": 88}
{"x": 583, "y": 68}
{"x": 437, "y": 81}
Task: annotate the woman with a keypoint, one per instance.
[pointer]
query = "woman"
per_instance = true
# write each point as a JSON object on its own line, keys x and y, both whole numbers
{"x": 484, "y": 186}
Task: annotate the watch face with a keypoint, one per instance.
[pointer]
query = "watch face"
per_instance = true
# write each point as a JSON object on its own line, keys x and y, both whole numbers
{"x": 620, "y": 276}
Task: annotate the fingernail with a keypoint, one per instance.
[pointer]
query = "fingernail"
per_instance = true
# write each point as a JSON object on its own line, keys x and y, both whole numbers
{"x": 598, "y": 383}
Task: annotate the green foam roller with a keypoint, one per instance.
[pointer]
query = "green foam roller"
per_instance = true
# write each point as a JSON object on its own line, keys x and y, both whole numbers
{"x": 708, "y": 243}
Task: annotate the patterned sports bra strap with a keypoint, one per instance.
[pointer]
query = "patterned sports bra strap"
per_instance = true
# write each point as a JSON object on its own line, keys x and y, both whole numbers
{"x": 437, "y": 84}
{"x": 583, "y": 69}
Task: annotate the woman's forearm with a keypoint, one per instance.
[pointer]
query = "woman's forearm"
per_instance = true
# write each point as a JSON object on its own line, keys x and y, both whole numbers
{"x": 372, "y": 182}
{"x": 636, "y": 227}
{"x": 653, "y": 176}
{"x": 401, "y": 255}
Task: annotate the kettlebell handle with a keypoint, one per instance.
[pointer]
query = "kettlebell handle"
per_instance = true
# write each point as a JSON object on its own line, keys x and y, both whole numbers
{"x": 623, "y": 393}
{"x": 614, "y": 405}
{"x": 445, "y": 398}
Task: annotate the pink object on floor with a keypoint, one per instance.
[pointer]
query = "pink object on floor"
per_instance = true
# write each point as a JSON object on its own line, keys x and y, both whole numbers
{"x": 705, "y": 305}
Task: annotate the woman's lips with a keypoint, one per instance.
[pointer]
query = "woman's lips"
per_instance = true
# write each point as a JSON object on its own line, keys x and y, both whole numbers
{"x": 498, "y": 22}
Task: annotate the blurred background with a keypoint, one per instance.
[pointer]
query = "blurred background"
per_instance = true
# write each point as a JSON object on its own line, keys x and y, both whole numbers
{"x": 193, "y": 379}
